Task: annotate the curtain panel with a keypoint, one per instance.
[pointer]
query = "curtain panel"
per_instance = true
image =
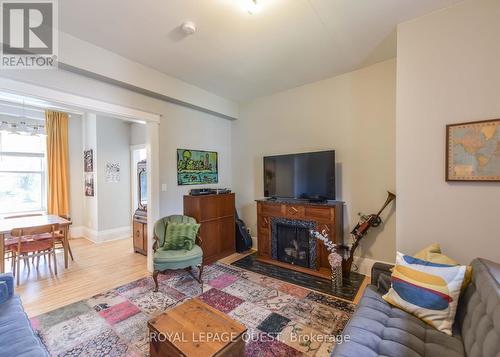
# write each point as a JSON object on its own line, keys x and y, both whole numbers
{"x": 56, "y": 128}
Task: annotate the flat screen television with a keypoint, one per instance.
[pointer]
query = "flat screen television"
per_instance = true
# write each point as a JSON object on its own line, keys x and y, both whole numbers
{"x": 308, "y": 176}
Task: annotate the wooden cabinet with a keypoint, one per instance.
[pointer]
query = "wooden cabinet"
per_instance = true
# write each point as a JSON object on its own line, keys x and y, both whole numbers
{"x": 216, "y": 214}
{"x": 140, "y": 232}
{"x": 324, "y": 216}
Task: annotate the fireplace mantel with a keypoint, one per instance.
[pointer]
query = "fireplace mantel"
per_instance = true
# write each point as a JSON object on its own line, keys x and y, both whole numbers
{"x": 323, "y": 216}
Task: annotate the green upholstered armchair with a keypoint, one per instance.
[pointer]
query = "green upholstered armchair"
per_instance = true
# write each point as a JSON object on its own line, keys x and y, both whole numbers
{"x": 175, "y": 259}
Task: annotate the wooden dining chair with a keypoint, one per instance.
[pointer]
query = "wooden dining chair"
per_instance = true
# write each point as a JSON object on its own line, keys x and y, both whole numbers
{"x": 9, "y": 241}
{"x": 60, "y": 241}
{"x": 27, "y": 247}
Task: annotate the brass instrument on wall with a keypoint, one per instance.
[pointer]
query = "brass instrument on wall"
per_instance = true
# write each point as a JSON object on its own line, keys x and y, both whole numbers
{"x": 361, "y": 229}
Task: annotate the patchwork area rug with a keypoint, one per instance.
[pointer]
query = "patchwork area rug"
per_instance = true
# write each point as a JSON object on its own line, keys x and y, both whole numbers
{"x": 282, "y": 319}
{"x": 347, "y": 291}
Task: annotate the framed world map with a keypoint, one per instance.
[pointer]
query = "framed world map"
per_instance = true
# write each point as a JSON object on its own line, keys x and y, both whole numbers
{"x": 473, "y": 151}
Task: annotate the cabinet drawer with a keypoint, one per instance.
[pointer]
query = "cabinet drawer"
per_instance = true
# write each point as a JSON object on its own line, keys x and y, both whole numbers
{"x": 138, "y": 236}
{"x": 319, "y": 213}
{"x": 272, "y": 210}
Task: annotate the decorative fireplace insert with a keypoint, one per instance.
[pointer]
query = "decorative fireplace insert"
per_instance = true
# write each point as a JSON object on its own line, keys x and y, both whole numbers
{"x": 292, "y": 242}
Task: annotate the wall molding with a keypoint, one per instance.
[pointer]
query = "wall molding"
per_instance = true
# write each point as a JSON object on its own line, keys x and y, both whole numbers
{"x": 365, "y": 265}
{"x": 101, "y": 236}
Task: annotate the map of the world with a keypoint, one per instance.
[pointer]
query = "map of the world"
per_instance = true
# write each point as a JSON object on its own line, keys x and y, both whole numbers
{"x": 474, "y": 151}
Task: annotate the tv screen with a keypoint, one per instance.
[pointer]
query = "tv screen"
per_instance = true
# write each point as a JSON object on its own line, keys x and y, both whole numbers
{"x": 300, "y": 176}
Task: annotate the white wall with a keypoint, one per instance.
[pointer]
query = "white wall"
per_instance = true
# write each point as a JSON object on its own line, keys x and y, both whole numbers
{"x": 137, "y": 134}
{"x": 353, "y": 114}
{"x": 113, "y": 145}
{"x": 183, "y": 128}
{"x": 448, "y": 72}
{"x": 75, "y": 144}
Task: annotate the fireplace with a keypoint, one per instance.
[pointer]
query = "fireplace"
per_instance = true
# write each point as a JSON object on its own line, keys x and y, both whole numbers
{"x": 292, "y": 242}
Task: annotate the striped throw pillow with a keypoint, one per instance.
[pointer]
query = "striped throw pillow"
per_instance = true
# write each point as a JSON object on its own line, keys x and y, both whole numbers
{"x": 427, "y": 290}
{"x": 180, "y": 236}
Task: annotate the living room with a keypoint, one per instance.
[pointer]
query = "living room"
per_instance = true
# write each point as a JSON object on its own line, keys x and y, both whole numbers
{"x": 393, "y": 117}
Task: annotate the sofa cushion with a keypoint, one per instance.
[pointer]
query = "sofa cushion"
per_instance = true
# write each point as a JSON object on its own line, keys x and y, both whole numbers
{"x": 379, "y": 329}
{"x": 4, "y": 292}
{"x": 478, "y": 314}
{"x": 16, "y": 336}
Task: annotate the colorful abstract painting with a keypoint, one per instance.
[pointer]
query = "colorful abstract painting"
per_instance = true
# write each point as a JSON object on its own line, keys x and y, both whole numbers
{"x": 195, "y": 167}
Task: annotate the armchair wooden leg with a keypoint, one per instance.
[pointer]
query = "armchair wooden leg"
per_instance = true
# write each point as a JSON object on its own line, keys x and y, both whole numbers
{"x": 155, "y": 278}
{"x": 200, "y": 269}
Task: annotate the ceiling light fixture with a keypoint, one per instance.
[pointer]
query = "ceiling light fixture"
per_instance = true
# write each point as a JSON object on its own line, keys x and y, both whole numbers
{"x": 252, "y": 6}
{"x": 188, "y": 27}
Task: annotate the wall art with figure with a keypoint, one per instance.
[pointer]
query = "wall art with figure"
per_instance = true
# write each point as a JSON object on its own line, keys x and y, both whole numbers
{"x": 196, "y": 167}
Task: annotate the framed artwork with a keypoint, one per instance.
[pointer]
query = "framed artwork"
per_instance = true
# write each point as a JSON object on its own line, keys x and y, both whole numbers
{"x": 88, "y": 160}
{"x": 196, "y": 167}
{"x": 473, "y": 151}
{"x": 89, "y": 185}
{"x": 112, "y": 172}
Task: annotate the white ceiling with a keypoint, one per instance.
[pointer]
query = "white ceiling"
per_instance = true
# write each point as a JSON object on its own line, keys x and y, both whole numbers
{"x": 241, "y": 56}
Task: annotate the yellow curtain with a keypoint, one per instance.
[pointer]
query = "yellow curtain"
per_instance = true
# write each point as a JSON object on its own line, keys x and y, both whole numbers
{"x": 56, "y": 128}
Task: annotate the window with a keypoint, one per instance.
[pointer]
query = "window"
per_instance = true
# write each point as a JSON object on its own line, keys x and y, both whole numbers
{"x": 22, "y": 173}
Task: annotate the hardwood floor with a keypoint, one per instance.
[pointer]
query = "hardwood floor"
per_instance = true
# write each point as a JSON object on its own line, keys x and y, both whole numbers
{"x": 96, "y": 269}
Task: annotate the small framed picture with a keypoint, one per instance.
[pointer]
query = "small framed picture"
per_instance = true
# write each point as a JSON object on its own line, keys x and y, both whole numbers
{"x": 89, "y": 185}
{"x": 473, "y": 151}
{"x": 88, "y": 160}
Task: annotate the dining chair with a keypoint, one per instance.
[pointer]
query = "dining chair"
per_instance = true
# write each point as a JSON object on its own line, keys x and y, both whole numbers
{"x": 27, "y": 247}
{"x": 9, "y": 241}
{"x": 60, "y": 235}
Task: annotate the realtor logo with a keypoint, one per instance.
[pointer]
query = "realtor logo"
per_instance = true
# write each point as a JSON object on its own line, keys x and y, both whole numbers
{"x": 29, "y": 34}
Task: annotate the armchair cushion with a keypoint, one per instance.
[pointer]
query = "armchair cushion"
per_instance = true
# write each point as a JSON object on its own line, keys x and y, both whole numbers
{"x": 160, "y": 227}
{"x": 177, "y": 259}
{"x": 180, "y": 236}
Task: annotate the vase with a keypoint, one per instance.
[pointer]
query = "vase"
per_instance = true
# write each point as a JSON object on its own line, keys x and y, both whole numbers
{"x": 337, "y": 277}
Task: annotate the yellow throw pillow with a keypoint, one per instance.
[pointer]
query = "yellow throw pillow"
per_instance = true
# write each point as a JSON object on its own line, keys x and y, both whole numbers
{"x": 433, "y": 254}
{"x": 427, "y": 290}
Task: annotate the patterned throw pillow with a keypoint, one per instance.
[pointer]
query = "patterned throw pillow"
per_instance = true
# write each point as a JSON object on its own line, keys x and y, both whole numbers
{"x": 180, "y": 236}
{"x": 433, "y": 253}
{"x": 427, "y": 290}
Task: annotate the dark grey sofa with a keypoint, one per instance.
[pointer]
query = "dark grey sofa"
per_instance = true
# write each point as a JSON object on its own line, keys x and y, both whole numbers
{"x": 16, "y": 336}
{"x": 378, "y": 329}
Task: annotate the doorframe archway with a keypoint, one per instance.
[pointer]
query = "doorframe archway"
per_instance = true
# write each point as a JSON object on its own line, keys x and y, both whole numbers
{"x": 152, "y": 120}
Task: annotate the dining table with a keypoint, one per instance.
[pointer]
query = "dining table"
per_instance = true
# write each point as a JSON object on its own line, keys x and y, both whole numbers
{"x": 7, "y": 225}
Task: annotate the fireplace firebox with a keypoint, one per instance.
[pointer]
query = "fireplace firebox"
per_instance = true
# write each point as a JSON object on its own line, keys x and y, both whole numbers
{"x": 292, "y": 242}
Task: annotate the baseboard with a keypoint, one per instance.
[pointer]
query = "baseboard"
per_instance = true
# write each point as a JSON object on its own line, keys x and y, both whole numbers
{"x": 107, "y": 235}
{"x": 365, "y": 265}
{"x": 76, "y": 232}
{"x": 254, "y": 243}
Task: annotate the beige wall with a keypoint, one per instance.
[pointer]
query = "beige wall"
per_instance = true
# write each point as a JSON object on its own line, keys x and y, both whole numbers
{"x": 353, "y": 114}
{"x": 448, "y": 72}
